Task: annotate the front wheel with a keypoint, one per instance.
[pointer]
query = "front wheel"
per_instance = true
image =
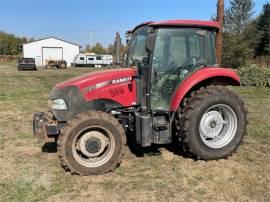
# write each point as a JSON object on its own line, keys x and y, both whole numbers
{"x": 91, "y": 144}
{"x": 212, "y": 123}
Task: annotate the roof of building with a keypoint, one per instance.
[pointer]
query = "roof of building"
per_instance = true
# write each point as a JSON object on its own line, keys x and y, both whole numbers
{"x": 181, "y": 23}
{"x": 53, "y": 38}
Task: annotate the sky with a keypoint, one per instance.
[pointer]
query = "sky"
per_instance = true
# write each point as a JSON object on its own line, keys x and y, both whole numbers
{"x": 90, "y": 21}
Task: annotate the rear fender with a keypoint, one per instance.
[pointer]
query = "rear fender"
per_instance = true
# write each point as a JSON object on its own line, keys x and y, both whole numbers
{"x": 203, "y": 77}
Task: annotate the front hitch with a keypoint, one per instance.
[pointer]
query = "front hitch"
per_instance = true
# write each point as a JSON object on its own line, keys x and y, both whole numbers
{"x": 44, "y": 126}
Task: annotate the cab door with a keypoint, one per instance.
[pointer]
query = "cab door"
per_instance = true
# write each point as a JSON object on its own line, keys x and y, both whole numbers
{"x": 176, "y": 54}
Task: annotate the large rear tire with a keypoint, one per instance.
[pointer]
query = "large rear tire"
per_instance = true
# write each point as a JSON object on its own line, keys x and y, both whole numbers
{"x": 91, "y": 144}
{"x": 212, "y": 123}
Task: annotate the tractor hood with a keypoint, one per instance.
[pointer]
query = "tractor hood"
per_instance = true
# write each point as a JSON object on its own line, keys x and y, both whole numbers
{"x": 101, "y": 90}
{"x": 99, "y": 78}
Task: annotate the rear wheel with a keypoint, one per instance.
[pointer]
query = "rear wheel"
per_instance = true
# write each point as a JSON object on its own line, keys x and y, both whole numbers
{"x": 91, "y": 143}
{"x": 212, "y": 123}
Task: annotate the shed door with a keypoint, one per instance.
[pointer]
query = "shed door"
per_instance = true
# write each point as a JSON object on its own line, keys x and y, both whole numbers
{"x": 51, "y": 53}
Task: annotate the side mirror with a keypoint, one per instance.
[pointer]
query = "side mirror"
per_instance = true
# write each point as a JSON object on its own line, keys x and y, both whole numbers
{"x": 128, "y": 36}
{"x": 150, "y": 41}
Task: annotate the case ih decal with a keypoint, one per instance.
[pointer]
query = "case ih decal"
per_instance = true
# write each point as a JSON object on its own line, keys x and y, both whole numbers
{"x": 105, "y": 83}
{"x": 121, "y": 80}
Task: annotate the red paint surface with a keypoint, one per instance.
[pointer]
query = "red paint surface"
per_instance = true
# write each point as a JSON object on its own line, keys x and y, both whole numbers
{"x": 125, "y": 93}
{"x": 191, "y": 23}
{"x": 183, "y": 23}
{"x": 196, "y": 78}
{"x": 122, "y": 93}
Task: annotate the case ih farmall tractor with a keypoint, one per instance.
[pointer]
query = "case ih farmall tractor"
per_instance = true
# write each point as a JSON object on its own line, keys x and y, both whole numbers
{"x": 171, "y": 89}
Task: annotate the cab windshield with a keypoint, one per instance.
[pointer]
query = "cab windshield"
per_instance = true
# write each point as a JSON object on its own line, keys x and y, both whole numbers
{"x": 137, "y": 50}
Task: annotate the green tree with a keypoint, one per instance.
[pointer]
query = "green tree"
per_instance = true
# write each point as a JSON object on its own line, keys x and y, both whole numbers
{"x": 239, "y": 33}
{"x": 87, "y": 49}
{"x": 263, "y": 27}
{"x": 98, "y": 49}
{"x": 10, "y": 44}
{"x": 110, "y": 49}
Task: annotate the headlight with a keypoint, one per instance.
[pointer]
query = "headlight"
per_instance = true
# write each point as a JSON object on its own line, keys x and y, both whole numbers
{"x": 58, "y": 104}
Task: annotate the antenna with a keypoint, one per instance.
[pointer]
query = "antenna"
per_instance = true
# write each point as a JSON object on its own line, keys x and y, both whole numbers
{"x": 91, "y": 37}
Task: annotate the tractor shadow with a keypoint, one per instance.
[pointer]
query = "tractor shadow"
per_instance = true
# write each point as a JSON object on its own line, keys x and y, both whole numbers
{"x": 154, "y": 150}
{"x": 134, "y": 148}
{"x": 49, "y": 147}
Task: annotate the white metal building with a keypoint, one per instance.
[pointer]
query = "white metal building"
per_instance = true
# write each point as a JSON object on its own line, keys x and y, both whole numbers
{"x": 51, "y": 48}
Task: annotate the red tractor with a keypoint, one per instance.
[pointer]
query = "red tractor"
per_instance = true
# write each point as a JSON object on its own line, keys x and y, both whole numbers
{"x": 171, "y": 89}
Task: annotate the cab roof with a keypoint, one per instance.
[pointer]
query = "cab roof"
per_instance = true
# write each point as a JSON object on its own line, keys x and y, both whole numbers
{"x": 181, "y": 23}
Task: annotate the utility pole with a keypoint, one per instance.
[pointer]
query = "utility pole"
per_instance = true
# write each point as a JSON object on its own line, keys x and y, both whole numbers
{"x": 220, "y": 19}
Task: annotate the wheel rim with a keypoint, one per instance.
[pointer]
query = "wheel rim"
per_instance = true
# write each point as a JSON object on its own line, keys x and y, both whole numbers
{"x": 93, "y": 147}
{"x": 218, "y": 126}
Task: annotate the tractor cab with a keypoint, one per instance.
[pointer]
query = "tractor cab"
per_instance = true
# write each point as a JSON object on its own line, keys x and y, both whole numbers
{"x": 166, "y": 53}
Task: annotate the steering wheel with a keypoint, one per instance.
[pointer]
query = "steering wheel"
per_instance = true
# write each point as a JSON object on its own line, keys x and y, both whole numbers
{"x": 188, "y": 61}
{"x": 186, "y": 64}
{"x": 135, "y": 61}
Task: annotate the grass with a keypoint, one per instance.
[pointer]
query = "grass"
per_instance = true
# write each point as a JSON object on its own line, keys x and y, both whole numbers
{"x": 155, "y": 174}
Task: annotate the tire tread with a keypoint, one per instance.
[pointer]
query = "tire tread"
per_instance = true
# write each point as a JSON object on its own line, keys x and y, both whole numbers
{"x": 183, "y": 123}
{"x": 70, "y": 126}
